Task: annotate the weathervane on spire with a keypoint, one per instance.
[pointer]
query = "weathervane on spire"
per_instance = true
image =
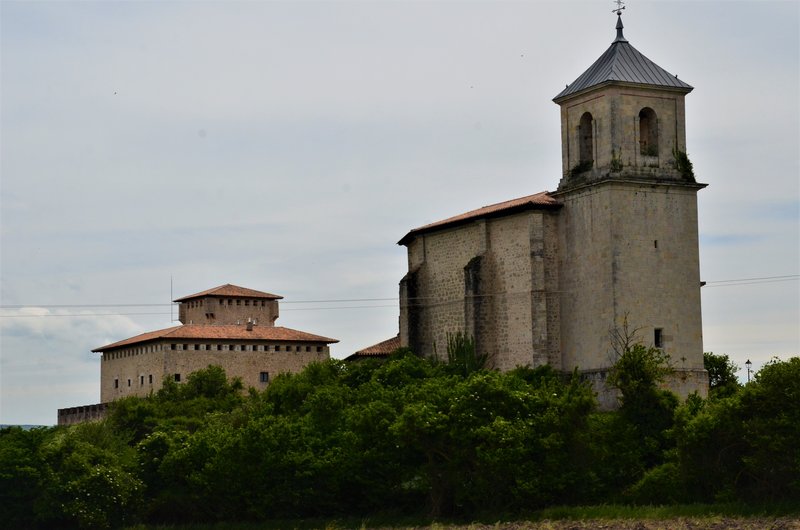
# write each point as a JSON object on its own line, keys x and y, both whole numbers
{"x": 619, "y": 8}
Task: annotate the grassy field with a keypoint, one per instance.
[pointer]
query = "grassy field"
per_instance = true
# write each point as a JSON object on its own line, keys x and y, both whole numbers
{"x": 683, "y": 517}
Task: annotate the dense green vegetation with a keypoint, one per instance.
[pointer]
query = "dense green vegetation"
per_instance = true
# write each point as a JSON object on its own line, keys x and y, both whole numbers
{"x": 408, "y": 436}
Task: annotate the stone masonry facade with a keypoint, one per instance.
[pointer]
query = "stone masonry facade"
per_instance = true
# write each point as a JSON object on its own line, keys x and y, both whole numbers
{"x": 140, "y": 370}
{"x": 228, "y": 326}
{"x": 547, "y": 279}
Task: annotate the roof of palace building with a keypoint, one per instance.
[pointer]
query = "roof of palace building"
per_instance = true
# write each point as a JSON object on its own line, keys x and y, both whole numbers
{"x": 382, "y": 349}
{"x": 537, "y": 201}
{"x": 231, "y": 291}
{"x": 220, "y": 332}
{"x": 622, "y": 63}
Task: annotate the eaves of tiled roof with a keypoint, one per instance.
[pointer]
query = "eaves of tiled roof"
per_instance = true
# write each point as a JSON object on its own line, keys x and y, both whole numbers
{"x": 382, "y": 348}
{"x": 220, "y": 332}
{"x": 232, "y": 291}
{"x": 538, "y": 201}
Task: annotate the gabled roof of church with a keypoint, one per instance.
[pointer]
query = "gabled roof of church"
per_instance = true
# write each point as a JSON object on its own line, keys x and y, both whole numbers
{"x": 231, "y": 290}
{"x": 382, "y": 349}
{"x": 220, "y": 332}
{"x": 538, "y": 201}
{"x": 622, "y": 63}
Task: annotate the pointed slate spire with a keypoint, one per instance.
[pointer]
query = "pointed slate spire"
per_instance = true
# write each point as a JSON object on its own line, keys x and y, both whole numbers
{"x": 620, "y": 36}
{"x": 622, "y": 63}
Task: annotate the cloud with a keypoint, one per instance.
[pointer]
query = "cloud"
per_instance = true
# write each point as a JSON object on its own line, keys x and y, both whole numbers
{"x": 50, "y": 349}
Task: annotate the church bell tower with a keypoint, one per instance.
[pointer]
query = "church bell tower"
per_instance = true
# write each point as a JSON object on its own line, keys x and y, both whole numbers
{"x": 628, "y": 235}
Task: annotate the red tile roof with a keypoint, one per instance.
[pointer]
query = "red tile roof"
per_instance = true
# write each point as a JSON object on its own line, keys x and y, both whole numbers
{"x": 231, "y": 290}
{"x": 220, "y": 332}
{"x": 381, "y": 349}
{"x": 537, "y": 201}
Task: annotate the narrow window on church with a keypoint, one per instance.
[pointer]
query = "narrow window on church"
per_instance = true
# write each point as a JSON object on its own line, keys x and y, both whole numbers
{"x": 150, "y": 379}
{"x": 116, "y": 383}
{"x": 586, "y": 140}
{"x": 655, "y": 243}
{"x": 264, "y": 377}
{"x": 141, "y": 380}
{"x": 658, "y": 338}
{"x": 129, "y": 382}
{"x": 648, "y": 132}
{"x": 177, "y": 378}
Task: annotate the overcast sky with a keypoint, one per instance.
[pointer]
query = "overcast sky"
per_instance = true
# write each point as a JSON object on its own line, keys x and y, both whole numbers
{"x": 287, "y": 147}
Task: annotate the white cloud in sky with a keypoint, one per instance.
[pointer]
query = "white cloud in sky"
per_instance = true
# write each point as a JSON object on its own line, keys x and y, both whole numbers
{"x": 287, "y": 147}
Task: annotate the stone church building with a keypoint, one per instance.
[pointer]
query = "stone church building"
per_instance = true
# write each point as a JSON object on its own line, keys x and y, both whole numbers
{"x": 546, "y": 278}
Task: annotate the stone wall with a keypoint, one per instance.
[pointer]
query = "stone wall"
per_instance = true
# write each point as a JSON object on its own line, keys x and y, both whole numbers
{"x": 228, "y": 310}
{"x": 84, "y": 413}
{"x": 630, "y": 250}
{"x": 138, "y": 371}
{"x": 493, "y": 279}
{"x": 616, "y": 132}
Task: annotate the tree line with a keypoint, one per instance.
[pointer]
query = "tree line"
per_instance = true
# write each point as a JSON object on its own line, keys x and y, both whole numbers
{"x": 408, "y": 435}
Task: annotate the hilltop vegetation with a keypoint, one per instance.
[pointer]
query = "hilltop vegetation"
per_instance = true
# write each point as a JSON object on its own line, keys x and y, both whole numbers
{"x": 407, "y": 436}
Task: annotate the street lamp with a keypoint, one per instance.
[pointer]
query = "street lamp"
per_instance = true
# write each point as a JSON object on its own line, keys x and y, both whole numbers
{"x": 748, "y": 364}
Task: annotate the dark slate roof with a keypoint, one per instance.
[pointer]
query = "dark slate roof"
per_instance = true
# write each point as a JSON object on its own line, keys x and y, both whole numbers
{"x": 622, "y": 63}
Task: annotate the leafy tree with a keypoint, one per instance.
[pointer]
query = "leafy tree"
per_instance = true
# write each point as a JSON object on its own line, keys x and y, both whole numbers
{"x": 745, "y": 446}
{"x": 722, "y": 379}
{"x": 22, "y": 473}
{"x": 90, "y": 480}
{"x": 636, "y": 374}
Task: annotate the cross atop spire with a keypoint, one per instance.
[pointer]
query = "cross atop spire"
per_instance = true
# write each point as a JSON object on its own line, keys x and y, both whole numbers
{"x": 619, "y": 8}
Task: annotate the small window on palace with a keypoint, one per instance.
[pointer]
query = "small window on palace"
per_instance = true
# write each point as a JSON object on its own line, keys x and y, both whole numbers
{"x": 116, "y": 383}
{"x": 141, "y": 380}
{"x": 208, "y": 347}
{"x": 264, "y": 377}
{"x": 172, "y": 346}
{"x": 185, "y": 346}
{"x": 277, "y": 347}
{"x": 196, "y": 346}
{"x": 238, "y": 302}
{"x": 308, "y": 348}
{"x": 247, "y": 302}
{"x": 243, "y": 347}
{"x": 150, "y": 379}
{"x": 263, "y": 303}
{"x": 658, "y": 338}
{"x": 177, "y": 378}
{"x": 129, "y": 382}
{"x": 319, "y": 348}
{"x": 219, "y": 347}
{"x": 232, "y": 347}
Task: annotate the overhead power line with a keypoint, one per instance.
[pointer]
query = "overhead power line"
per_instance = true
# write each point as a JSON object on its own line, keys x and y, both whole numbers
{"x": 717, "y": 283}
